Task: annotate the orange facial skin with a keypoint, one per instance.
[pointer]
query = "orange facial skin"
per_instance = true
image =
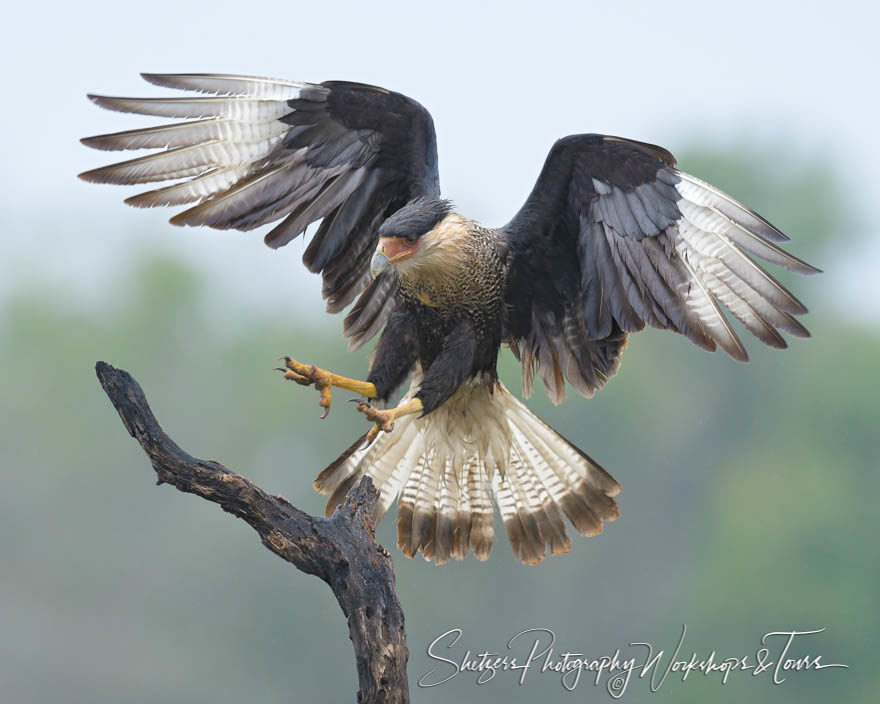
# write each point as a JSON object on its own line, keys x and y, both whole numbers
{"x": 396, "y": 248}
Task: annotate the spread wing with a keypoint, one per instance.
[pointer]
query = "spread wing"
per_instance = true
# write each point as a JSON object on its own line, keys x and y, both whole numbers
{"x": 257, "y": 150}
{"x": 614, "y": 237}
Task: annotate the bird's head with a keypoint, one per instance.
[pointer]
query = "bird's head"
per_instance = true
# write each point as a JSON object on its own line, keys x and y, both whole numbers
{"x": 410, "y": 236}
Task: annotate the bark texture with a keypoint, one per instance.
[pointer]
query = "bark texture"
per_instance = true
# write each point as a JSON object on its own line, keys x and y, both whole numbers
{"x": 340, "y": 549}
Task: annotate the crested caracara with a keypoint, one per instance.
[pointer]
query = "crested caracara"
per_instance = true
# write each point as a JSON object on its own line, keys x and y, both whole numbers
{"x": 613, "y": 237}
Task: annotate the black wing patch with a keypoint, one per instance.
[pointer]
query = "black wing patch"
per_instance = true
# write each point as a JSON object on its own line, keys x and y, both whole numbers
{"x": 614, "y": 237}
{"x": 259, "y": 150}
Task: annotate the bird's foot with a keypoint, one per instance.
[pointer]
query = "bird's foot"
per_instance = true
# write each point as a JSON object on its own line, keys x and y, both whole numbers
{"x": 323, "y": 381}
{"x": 384, "y": 419}
{"x": 308, "y": 375}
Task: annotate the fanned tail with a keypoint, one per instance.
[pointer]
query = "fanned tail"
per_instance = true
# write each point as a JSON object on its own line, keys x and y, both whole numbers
{"x": 448, "y": 466}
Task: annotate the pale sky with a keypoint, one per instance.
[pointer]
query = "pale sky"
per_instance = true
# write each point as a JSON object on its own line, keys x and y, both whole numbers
{"x": 502, "y": 80}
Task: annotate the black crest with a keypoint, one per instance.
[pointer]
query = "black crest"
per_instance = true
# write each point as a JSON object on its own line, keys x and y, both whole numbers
{"x": 416, "y": 218}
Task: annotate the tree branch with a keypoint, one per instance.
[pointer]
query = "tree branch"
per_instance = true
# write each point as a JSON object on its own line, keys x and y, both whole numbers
{"x": 341, "y": 549}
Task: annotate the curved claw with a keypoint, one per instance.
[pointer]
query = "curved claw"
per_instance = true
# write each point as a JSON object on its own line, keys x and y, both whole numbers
{"x": 372, "y": 434}
{"x": 322, "y": 384}
{"x": 308, "y": 376}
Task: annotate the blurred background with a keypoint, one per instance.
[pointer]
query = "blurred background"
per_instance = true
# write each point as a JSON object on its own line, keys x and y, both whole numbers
{"x": 750, "y": 491}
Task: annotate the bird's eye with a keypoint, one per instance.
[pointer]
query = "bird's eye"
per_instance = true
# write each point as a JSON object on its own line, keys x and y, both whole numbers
{"x": 411, "y": 239}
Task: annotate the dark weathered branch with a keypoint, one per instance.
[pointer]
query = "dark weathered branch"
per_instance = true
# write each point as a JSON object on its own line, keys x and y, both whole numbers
{"x": 340, "y": 549}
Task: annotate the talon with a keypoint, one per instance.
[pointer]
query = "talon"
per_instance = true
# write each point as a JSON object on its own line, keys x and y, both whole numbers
{"x": 324, "y": 402}
{"x": 323, "y": 381}
{"x": 308, "y": 376}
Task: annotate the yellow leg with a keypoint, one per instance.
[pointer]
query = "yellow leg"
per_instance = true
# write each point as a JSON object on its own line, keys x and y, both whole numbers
{"x": 309, "y": 374}
{"x": 384, "y": 420}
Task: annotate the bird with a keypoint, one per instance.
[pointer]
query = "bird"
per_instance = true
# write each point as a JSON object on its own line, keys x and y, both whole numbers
{"x": 612, "y": 238}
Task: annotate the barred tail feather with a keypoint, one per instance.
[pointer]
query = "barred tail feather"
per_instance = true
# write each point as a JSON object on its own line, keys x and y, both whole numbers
{"x": 447, "y": 468}
{"x": 482, "y": 516}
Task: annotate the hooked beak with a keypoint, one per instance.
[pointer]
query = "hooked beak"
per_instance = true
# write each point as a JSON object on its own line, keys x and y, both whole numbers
{"x": 378, "y": 263}
{"x": 390, "y": 251}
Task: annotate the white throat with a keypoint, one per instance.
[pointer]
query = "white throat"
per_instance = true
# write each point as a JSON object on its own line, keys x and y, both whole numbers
{"x": 442, "y": 252}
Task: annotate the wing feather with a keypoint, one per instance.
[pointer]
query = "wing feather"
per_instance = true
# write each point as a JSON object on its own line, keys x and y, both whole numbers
{"x": 372, "y": 310}
{"x": 614, "y": 237}
{"x": 227, "y": 84}
{"x": 233, "y": 108}
{"x": 254, "y": 150}
{"x": 184, "y": 134}
{"x": 195, "y": 189}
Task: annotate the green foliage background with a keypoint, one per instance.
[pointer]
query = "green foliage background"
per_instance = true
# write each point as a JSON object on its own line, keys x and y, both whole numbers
{"x": 749, "y": 501}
